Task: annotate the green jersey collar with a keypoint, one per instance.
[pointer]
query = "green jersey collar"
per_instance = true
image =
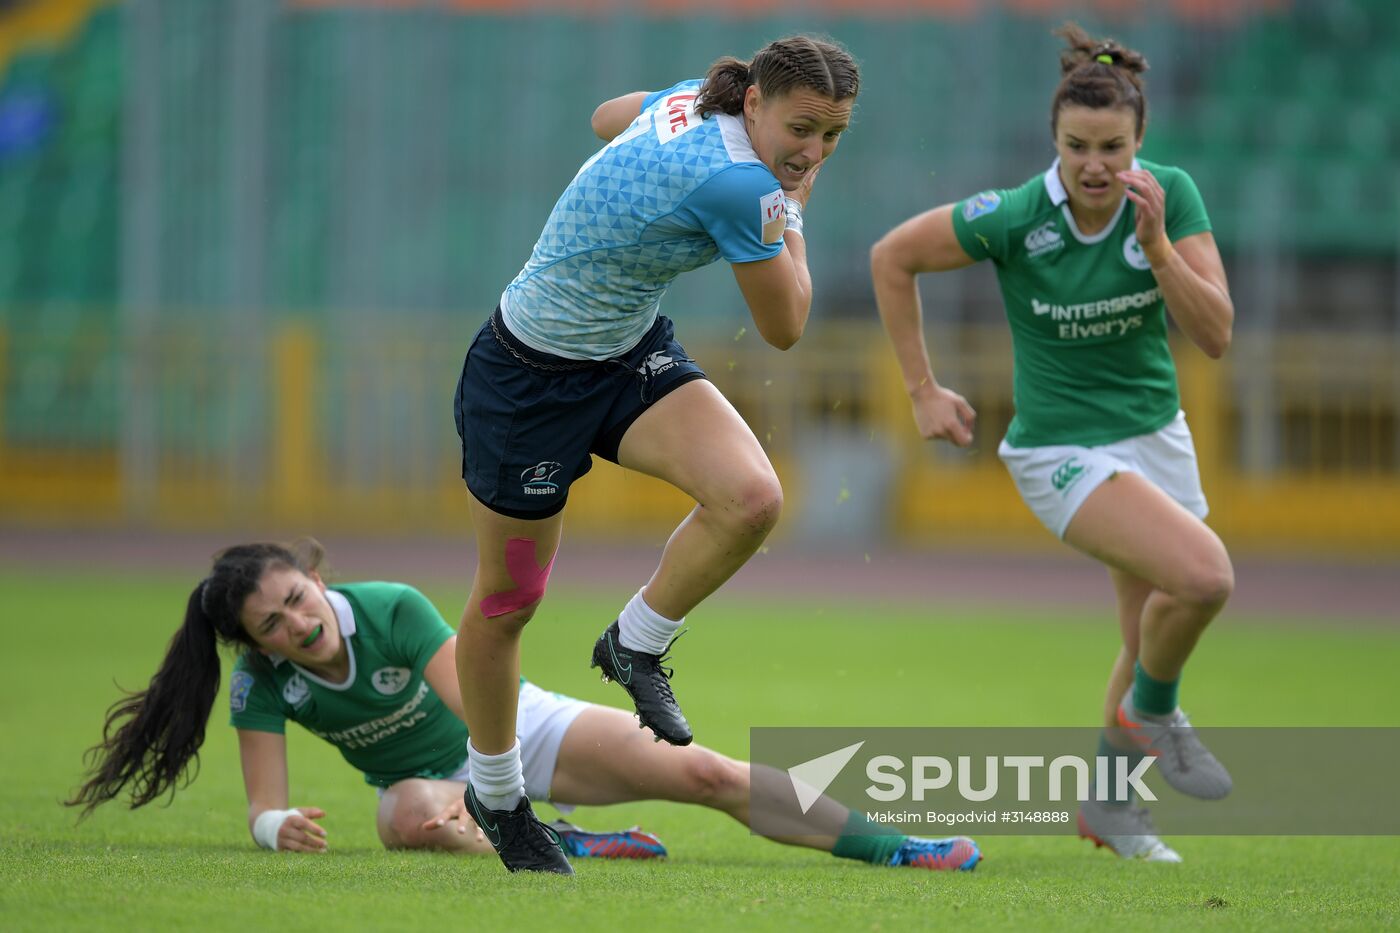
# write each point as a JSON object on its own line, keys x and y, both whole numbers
{"x": 344, "y": 615}
{"x": 345, "y": 621}
{"x": 1055, "y": 188}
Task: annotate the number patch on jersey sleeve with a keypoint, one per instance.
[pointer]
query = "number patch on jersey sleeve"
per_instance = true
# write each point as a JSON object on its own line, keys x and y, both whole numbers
{"x": 773, "y": 210}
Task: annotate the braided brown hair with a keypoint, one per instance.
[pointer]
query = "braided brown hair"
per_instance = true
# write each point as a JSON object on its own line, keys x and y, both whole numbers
{"x": 797, "y": 61}
{"x": 1098, "y": 73}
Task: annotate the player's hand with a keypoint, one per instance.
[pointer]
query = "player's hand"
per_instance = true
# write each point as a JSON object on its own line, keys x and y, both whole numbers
{"x": 301, "y": 833}
{"x": 1151, "y": 202}
{"x": 942, "y": 414}
{"x": 455, "y": 812}
{"x": 804, "y": 190}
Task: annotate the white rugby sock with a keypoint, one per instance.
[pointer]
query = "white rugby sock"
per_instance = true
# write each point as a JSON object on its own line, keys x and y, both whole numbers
{"x": 498, "y": 780}
{"x": 642, "y": 628}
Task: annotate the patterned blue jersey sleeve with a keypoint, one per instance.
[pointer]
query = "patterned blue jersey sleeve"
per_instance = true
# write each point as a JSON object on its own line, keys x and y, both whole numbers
{"x": 741, "y": 208}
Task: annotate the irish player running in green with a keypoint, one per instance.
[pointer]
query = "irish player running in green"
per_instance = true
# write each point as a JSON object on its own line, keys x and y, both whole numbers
{"x": 1091, "y": 255}
{"x": 371, "y": 668}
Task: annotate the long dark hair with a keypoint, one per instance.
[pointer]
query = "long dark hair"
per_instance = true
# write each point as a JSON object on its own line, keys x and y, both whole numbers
{"x": 1098, "y": 73}
{"x": 151, "y": 735}
{"x": 797, "y": 61}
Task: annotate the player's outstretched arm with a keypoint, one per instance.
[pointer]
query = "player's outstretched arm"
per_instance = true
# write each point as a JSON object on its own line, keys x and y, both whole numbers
{"x": 264, "y": 758}
{"x": 441, "y": 674}
{"x": 925, "y": 243}
{"x": 614, "y": 116}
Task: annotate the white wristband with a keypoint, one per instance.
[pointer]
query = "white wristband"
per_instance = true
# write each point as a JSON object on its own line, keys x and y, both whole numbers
{"x": 268, "y": 825}
{"x": 793, "y": 210}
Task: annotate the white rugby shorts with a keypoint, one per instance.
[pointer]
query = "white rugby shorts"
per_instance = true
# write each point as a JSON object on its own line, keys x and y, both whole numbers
{"x": 541, "y": 720}
{"x": 1055, "y": 480}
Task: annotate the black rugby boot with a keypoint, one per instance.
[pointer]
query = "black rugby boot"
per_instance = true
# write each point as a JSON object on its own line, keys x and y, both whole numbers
{"x": 647, "y": 682}
{"x": 519, "y": 838}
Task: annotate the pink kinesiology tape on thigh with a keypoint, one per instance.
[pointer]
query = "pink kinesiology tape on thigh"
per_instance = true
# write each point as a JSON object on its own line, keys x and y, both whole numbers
{"x": 530, "y": 580}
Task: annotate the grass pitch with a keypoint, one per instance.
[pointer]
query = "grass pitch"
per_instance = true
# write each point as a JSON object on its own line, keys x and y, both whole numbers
{"x": 745, "y": 662}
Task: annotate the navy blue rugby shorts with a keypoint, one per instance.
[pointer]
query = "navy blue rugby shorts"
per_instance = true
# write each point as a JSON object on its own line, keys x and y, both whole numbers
{"x": 530, "y": 422}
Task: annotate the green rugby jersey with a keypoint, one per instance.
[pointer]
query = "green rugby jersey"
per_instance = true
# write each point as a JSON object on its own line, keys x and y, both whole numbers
{"x": 1088, "y": 323}
{"x": 384, "y": 718}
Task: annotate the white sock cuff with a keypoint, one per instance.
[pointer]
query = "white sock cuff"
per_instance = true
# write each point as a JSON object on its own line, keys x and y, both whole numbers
{"x": 496, "y": 775}
{"x": 639, "y": 605}
{"x": 642, "y": 628}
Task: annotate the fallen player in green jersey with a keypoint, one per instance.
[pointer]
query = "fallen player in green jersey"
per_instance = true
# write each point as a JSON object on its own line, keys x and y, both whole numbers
{"x": 370, "y": 668}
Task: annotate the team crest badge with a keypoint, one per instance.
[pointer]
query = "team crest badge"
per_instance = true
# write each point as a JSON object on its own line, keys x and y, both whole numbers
{"x": 390, "y": 680}
{"x": 538, "y": 480}
{"x": 1133, "y": 254}
{"x": 296, "y": 690}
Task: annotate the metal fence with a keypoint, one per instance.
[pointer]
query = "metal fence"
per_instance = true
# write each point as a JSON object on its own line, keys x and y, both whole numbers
{"x": 294, "y": 428}
{"x": 230, "y": 257}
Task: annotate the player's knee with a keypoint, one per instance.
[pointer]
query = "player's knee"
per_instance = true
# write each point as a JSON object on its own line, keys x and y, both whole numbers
{"x": 1212, "y": 587}
{"x": 406, "y": 832}
{"x": 404, "y": 827}
{"x": 1209, "y": 584}
{"x": 515, "y": 605}
{"x": 711, "y": 779}
{"x": 513, "y": 617}
{"x": 755, "y": 505}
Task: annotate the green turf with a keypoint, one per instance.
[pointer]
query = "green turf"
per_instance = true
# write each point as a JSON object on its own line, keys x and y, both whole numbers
{"x": 744, "y": 663}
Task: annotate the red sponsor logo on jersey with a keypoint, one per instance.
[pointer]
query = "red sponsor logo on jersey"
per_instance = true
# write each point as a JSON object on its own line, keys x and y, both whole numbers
{"x": 678, "y": 112}
{"x": 773, "y": 207}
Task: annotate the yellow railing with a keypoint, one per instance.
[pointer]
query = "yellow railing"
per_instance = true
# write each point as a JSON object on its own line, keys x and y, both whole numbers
{"x": 352, "y": 431}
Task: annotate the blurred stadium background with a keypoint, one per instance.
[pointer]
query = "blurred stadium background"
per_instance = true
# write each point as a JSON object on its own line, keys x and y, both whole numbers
{"x": 243, "y": 246}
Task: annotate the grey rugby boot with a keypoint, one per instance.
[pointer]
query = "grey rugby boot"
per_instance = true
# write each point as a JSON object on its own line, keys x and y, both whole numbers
{"x": 1185, "y": 763}
{"x": 1125, "y": 829}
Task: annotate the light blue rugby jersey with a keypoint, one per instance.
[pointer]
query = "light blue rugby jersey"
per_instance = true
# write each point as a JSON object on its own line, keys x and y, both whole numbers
{"x": 672, "y": 193}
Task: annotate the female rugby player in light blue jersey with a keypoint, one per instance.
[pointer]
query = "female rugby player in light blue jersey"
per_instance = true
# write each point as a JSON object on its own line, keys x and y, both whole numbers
{"x": 576, "y": 361}
{"x": 1091, "y": 256}
{"x": 371, "y": 668}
